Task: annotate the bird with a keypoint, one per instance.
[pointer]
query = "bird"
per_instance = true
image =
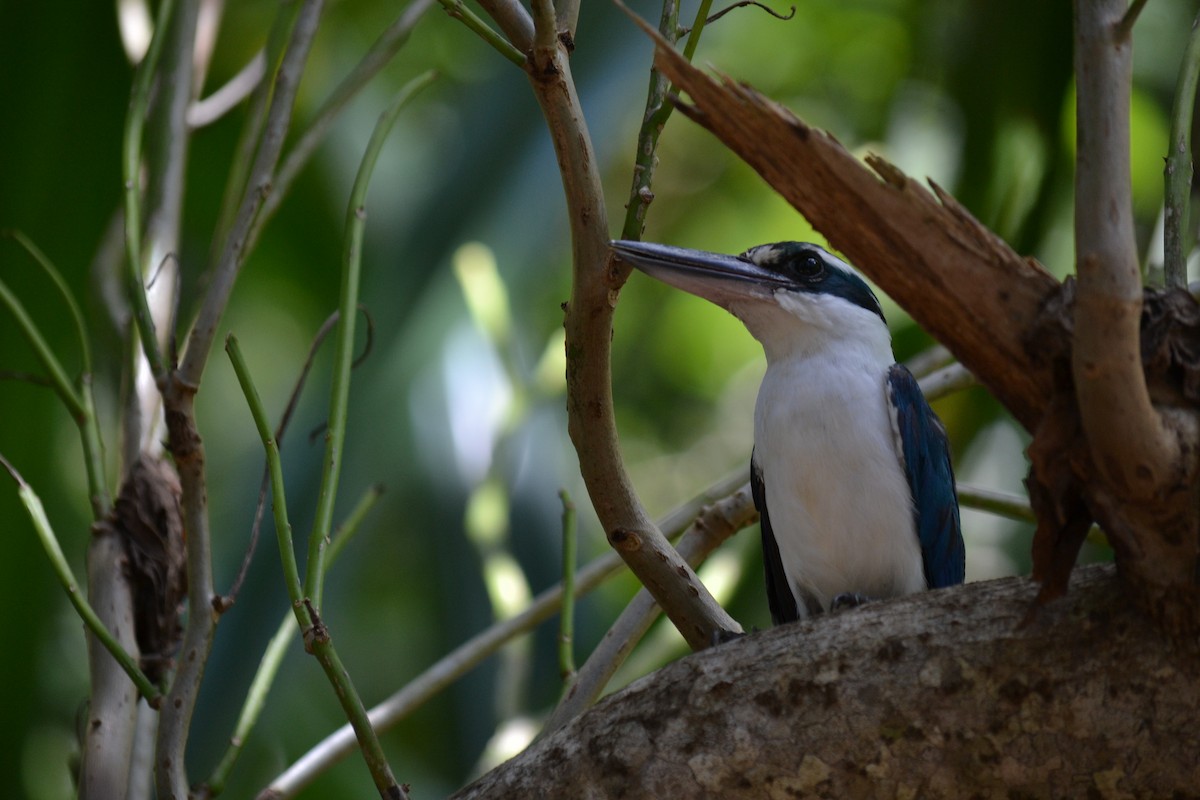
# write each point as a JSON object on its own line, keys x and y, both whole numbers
{"x": 850, "y": 469}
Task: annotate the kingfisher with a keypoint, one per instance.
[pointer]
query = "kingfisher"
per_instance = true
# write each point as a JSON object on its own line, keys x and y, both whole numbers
{"x": 850, "y": 469}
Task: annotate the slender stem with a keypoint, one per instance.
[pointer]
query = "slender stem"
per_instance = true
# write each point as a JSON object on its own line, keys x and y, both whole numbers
{"x": 693, "y": 40}
{"x": 251, "y": 133}
{"x": 175, "y": 722}
{"x": 461, "y": 660}
{"x": 545, "y": 33}
{"x": 459, "y": 10}
{"x": 50, "y": 363}
{"x": 360, "y": 720}
{"x": 1125, "y": 26}
{"x": 135, "y": 122}
{"x": 316, "y": 636}
{"x": 566, "y": 629}
{"x": 234, "y": 252}
{"x": 343, "y": 349}
{"x": 210, "y": 109}
{"x": 93, "y": 445}
{"x": 283, "y": 528}
{"x": 268, "y": 667}
{"x": 376, "y": 58}
{"x": 947, "y": 380}
{"x": 706, "y": 531}
{"x": 64, "y": 291}
{"x": 1004, "y": 504}
{"x": 256, "y": 698}
{"x": 513, "y": 19}
{"x": 1178, "y": 171}
{"x": 591, "y": 422}
{"x": 45, "y": 533}
{"x": 93, "y": 452}
{"x": 658, "y": 110}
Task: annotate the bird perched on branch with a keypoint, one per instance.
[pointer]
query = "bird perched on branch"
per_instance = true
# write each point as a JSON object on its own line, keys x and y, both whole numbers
{"x": 851, "y": 470}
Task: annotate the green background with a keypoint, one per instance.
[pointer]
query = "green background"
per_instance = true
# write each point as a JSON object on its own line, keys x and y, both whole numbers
{"x": 977, "y": 95}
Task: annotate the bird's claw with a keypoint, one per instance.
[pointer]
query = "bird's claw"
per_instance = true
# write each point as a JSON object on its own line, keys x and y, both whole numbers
{"x": 848, "y": 600}
{"x": 723, "y": 636}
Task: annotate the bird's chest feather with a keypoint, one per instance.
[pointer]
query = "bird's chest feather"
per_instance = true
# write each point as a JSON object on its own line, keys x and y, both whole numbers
{"x": 839, "y": 502}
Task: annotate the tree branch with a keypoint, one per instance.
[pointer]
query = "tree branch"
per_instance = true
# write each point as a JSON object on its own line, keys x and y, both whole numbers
{"x": 466, "y": 656}
{"x": 233, "y": 253}
{"x": 1133, "y": 450}
{"x": 937, "y": 694}
{"x": 591, "y": 424}
{"x": 1178, "y": 170}
{"x": 957, "y": 279}
{"x": 713, "y": 526}
{"x": 513, "y": 19}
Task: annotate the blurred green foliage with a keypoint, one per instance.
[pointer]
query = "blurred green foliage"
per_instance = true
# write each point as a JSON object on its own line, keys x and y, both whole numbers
{"x": 977, "y": 95}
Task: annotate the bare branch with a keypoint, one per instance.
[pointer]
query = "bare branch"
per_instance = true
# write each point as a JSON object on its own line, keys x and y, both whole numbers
{"x": 714, "y": 525}
{"x": 233, "y": 252}
{"x": 513, "y": 19}
{"x": 1130, "y": 445}
{"x": 376, "y": 58}
{"x": 1178, "y": 170}
{"x": 957, "y": 279}
{"x": 591, "y": 423}
{"x": 210, "y": 109}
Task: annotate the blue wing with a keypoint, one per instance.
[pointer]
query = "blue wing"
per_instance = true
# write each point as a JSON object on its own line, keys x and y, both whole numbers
{"x": 779, "y": 592}
{"x": 931, "y": 480}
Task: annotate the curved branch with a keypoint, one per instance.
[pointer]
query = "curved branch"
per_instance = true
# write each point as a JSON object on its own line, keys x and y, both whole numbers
{"x": 591, "y": 423}
{"x": 1133, "y": 449}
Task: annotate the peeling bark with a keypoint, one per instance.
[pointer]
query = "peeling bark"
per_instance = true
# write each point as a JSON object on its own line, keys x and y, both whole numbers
{"x": 958, "y": 280}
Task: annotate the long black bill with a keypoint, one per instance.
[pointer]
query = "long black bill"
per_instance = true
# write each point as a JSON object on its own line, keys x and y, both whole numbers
{"x": 716, "y": 277}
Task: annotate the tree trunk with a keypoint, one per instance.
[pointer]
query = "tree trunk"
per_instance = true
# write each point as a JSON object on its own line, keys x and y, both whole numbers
{"x": 951, "y": 693}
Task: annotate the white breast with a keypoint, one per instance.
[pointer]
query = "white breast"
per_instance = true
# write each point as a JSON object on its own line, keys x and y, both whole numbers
{"x": 840, "y": 506}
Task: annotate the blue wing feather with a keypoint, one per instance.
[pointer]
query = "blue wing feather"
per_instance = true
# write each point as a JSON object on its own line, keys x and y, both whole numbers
{"x": 931, "y": 480}
{"x": 779, "y": 592}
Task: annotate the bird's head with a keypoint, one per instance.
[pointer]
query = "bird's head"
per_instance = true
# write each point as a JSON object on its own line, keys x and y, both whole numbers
{"x": 790, "y": 295}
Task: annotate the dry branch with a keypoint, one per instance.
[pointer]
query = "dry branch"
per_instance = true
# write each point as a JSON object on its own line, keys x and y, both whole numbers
{"x": 591, "y": 422}
{"x": 956, "y": 278}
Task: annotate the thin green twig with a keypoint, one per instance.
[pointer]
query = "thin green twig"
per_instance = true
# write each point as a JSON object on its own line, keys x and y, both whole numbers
{"x": 317, "y": 639}
{"x": 85, "y": 416}
{"x": 256, "y": 118}
{"x": 64, "y": 291}
{"x": 135, "y": 122}
{"x": 658, "y": 110}
{"x": 283, "y": 528}
{"x": 1004, "y": 504}
{"x": 545, "y": 24}
{"x": 693, "y": 40}
{"x": 566, "y": 628}
{"x": 1178, "y": 171}
{"x": 344, "y": 340}
{"x": 45, "y": 533}
{"x": 58, "y": 376}
{"x": 376, "y": 58}
{"x": 268, "y": 666}
{"x": 466, "y": 656}
{"x": 459, "y": 10}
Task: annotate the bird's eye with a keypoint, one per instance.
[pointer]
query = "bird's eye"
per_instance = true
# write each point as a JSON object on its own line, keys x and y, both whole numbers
{"x": 810, "y": 267}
